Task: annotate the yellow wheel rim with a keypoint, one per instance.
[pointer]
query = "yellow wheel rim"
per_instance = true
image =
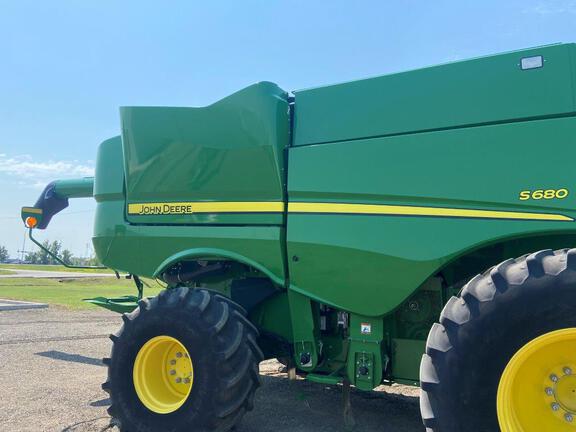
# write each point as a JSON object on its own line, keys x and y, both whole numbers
{"x": 163, "y": 374}
{"x": 537, "y": 391}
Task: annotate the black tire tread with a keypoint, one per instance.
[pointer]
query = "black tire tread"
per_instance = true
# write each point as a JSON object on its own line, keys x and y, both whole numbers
{"x": 227, "y": 323}
{"x": 459, "y": 311}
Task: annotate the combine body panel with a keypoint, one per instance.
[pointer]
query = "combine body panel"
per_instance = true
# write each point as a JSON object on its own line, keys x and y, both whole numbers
{"x": 214, "y": 157}
{"x": 338, "y": 223}
{"x": 475, "y": 92}
{"x": 415, "y": 169}
{"x": 186, "y": 182}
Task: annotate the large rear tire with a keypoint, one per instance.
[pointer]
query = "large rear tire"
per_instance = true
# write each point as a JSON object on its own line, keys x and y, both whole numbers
{"x": 186, "y": 360}
{"x": 502, "y": 355}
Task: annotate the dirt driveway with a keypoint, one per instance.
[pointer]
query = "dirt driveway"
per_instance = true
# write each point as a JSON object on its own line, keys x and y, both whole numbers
{"x": 51, "y": 371}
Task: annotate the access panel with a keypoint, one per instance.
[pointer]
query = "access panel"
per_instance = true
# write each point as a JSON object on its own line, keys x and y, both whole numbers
{"x": 220, "y": 164}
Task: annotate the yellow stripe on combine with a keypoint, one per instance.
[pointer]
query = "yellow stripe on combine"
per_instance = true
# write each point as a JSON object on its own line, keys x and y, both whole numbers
{"x": 179, "y": 208}
{"x": 395, "y": 210}
{"x": 34, "y": 210}
{"x": 183, "y": 208}
{"x": 238, "y": 207}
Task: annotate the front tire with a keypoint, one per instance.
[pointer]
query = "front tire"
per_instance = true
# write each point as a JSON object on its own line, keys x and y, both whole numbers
{"x": 186, "y": 360}
{"x": 495, "y": 359}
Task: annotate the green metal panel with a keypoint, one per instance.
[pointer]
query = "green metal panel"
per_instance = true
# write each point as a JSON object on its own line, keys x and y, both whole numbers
{"x": 75, "y": 188}
{"x": 231, "y": 151}
{"x": 142, "y": 250}
{"x": 121, "y": 305}
{"x": 482, "y": 90}
{"x": 406, "y": 356}
{"x": 369, "y": 264}
{"x": 109, "y": 184}
{"x": 365, "y": 361}
{"x": 273, "y": 316}
{"x": 304, "y": 330}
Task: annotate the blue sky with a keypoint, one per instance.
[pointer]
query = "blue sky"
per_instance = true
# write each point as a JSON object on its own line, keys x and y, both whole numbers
{"x": 66, "y": 67}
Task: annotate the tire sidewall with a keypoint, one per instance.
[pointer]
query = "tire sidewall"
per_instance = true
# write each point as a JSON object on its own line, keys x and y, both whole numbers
{"x": 200, "y": 344}
{"x": 483, "y": 347}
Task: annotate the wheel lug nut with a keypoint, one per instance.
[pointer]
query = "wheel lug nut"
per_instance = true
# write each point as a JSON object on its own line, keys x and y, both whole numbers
{"x": 567, "y": 371}
{"x": 178, "y": 380}
{"x": 555, "y": 407}
{"x": 553, "y": 378}
{"x": 172, "y": 362}
{"x": 172, "y": 372}
{"x": 178, "y": 354}
{"x": 187, "y": 380}
{"x": 549, "y": 391}
{"x": 568, "y": 417}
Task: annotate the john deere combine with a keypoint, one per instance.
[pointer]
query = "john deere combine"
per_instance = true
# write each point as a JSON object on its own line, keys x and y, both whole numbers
{"x": 409, "y": 228}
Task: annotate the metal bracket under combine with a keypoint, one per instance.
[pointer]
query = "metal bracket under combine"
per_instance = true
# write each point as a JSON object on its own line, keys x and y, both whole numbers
{"x": 366, "y": 359}
{"x": 139, "y": 285}
{"x": 123, "y": 304}
{"x": 304, "y": 332}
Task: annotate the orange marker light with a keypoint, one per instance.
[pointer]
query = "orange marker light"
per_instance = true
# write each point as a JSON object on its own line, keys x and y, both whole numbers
{"x": 31, "y": 222}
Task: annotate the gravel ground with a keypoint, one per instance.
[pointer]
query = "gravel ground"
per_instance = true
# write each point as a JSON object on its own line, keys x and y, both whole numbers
{"x": 51, "y": 371}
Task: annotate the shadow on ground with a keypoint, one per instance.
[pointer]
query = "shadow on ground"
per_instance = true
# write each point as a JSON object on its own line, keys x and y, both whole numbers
{"x": 300, "y": 406}
{"x": 75, "y": 358}
{"x": 284, "y": 405}
{"x": 295, "y": 406}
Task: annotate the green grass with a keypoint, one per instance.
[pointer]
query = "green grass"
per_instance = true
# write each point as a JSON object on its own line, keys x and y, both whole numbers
{"x": 70, "y": 292}
{"x": 5, "y": 272}
{"x": 59, "y": 268}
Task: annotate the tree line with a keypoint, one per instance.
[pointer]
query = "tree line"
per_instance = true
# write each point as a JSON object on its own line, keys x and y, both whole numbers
{"x": 43, "y": 257}
{"x": 3, "y": 254}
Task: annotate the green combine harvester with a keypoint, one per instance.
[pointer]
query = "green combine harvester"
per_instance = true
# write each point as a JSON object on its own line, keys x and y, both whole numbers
{"x": 411, "y": 228}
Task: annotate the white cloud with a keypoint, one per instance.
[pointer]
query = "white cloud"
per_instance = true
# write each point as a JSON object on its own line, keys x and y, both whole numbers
{"x": 552, "y": 7}
{"x": 23, "y": 170}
